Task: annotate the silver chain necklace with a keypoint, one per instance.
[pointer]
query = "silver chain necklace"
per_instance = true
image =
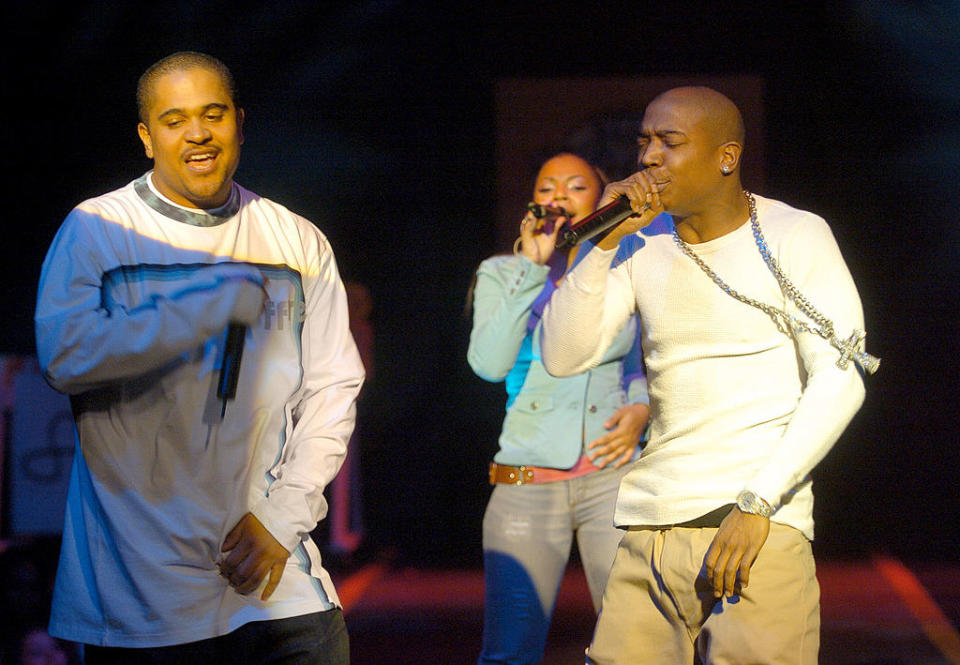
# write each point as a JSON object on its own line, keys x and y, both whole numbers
{"x": 786, "y": 323}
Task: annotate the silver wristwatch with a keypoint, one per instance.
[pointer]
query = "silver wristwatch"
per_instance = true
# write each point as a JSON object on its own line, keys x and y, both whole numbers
{"x": 750, "y": 502}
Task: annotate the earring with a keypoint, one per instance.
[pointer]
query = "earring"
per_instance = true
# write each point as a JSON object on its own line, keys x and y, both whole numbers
{"x": 725, "y": 169}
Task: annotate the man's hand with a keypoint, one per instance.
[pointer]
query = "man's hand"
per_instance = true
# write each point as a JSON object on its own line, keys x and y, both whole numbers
{"x": 251, "y": 554}
{"x": 617, "y": 445}
{"x": 644, "y": 198}
{"x": 734, "y": 549}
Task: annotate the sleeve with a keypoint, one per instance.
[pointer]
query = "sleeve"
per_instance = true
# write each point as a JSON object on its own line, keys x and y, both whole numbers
{"x": 504, "y": 294}
{"x": 323, "y": 412}
{"x": 82, "y": 343}
{"x": 586, "y": 312}
{"x": 831, "y": 396}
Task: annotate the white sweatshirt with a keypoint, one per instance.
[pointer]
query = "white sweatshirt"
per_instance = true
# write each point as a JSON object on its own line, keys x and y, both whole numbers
{"x": 134, "y": 298}
{"x": 736, "y": 403}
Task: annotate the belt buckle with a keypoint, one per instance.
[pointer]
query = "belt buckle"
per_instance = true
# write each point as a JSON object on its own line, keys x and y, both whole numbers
{"x": 524, "y": 475}
{"x": 522, "y": 470}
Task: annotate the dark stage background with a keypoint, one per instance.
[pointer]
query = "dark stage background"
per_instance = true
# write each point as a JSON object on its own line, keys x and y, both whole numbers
{"x": 377, "y": 120}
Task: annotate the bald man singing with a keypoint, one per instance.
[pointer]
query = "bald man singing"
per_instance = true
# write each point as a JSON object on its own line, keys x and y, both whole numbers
{"x": 753, "y": 342}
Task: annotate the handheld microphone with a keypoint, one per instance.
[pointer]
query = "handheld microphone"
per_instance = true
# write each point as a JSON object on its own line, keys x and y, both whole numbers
{"x": 230, "y": 368}
{"x": 540, "y": 211}
{"x": 596, "y": 222}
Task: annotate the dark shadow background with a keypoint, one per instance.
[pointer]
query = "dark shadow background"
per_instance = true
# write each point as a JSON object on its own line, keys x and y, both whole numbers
{"x": 376, "y": 121}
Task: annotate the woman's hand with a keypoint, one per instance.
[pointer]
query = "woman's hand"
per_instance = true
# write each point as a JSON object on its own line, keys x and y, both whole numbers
{"x": 617, "y": 445}
{"x": 538, "y": 237}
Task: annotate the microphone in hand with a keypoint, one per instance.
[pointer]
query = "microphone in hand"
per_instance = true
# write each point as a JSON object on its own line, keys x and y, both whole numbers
{"x": 230, "y": 367}
{"x": 597, "y": 222}
{"x": 541, "y": 211}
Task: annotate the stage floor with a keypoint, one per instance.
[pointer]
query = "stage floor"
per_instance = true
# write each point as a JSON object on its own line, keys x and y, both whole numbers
{"x": 874, "y": 611}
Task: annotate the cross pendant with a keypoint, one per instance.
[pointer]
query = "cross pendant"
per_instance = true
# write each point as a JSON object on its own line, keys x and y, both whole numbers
{"x": 849, "y": 350}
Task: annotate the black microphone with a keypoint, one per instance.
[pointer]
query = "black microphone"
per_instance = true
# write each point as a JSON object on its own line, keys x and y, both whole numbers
{"x": 596, "y": 222}
{"x": 230, "y": 368}
{"x": 544, "y": 211}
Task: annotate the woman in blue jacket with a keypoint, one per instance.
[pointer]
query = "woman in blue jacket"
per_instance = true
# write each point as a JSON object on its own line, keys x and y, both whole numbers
{"x": 565, "y": 441}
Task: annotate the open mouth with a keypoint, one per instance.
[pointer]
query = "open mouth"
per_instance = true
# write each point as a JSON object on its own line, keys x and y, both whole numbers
{"x": 201, "y": 162}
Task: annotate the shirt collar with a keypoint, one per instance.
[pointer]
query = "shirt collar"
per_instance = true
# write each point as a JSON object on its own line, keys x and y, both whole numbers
{"x": 194, "y": 217}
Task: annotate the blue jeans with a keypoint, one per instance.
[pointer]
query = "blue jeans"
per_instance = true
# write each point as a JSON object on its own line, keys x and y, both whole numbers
{"x": 311, "y": 639}
{"x": 527, "y": 534}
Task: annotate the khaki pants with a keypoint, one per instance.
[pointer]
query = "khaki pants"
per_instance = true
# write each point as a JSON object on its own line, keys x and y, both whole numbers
{"x": 659, "y": 609}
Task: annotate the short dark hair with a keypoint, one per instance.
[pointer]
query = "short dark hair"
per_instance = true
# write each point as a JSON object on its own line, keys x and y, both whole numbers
{"x": 178, "y": 62}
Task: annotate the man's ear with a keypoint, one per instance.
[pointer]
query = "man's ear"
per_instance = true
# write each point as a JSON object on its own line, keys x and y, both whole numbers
{"x": 147, "y": 141}
{"x": 240, "y": 116}
{"x": 730, "y": 156}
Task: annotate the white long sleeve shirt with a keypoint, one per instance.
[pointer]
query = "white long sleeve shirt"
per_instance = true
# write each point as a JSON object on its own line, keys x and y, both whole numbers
{"x": 736, "y": 403}
{"x": 134, "y": 298}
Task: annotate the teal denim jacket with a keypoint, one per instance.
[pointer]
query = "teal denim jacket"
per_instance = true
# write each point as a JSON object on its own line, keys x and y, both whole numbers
{"x": 549, "y": 420}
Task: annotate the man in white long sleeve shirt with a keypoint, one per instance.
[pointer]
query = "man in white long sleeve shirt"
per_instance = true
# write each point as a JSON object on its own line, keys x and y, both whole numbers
{"x": 186, "y": 537}
{"x": 716, "y": 559}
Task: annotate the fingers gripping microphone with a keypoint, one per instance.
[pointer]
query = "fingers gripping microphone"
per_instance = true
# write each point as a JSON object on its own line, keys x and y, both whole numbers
{"x": 230, "y": 368}
{"x": 596, "y": 222}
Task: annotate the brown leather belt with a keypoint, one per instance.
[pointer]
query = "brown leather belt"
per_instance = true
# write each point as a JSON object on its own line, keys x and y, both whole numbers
{"x": 523, "y": 475}
{"x": 513, "y": 475}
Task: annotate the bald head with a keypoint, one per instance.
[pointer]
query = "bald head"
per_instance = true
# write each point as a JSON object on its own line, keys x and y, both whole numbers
{"x": 709, "y": 109}
{"x": 690, "y": 144}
